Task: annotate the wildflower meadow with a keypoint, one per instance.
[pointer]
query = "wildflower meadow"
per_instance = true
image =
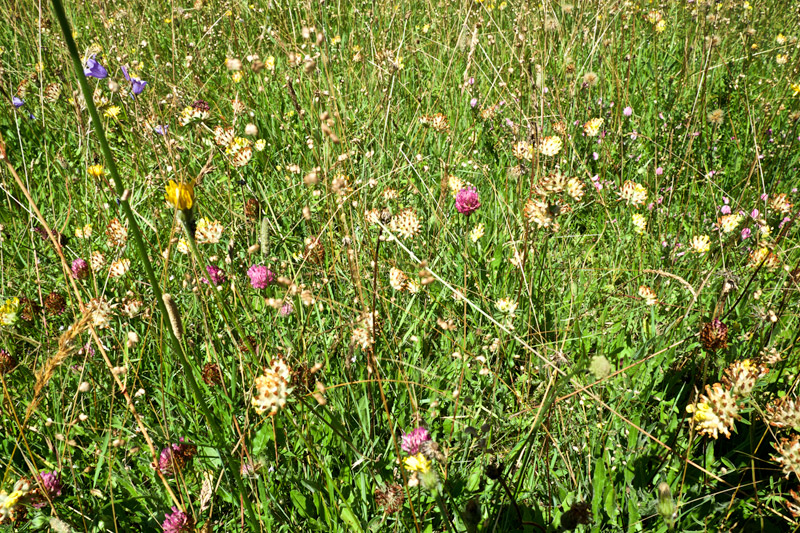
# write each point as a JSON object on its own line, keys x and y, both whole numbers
{"x": 425, "y": 266}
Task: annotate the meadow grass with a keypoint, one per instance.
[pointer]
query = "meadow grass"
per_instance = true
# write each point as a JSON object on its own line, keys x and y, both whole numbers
{"x": 373, "y": 266}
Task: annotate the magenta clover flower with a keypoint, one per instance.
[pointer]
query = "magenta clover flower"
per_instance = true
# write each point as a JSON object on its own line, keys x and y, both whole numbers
{"x": 467, "y": 201}
{"x": 411, "y": 441}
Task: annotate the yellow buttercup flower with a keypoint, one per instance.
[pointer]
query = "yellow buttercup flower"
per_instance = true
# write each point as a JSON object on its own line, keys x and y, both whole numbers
{"x": 417, "y": 463}
{"x": 181, "y": 195}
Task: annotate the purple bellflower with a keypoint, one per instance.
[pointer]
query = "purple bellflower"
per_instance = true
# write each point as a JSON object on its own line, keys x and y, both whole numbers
{"x": 137, "y": 85}
{"x": 93, "y": 69}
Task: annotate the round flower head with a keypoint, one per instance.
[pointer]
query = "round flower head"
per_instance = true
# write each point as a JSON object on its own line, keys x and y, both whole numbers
{"x": 80, "y": 269}
{"x": 467, "y": 201}
{"x": 177, "y": 522}
{"x": 176, "y": 456}
{"x": 52, "y": 486}
{"x": 411, "y": 441}
{"x": 181, "y": 195}
{"x": 215, "y": 274}
{"x": 287, "y": 309}
{"x": 260, "y": 276}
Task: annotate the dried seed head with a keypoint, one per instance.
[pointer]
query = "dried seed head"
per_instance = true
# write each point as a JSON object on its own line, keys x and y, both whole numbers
{"x": 174, "y": 315}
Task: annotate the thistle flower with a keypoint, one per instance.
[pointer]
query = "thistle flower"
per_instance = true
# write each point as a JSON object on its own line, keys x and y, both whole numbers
{"x": 260, "y": 276}
{"x": 137, "y": 85}
{"x": 411, "y": 441}
{"x": 177, "y": 522}
{"x": 467, "y": 201}
{"x": 181, "y": 195}
{"x": 93, "y": 69}
{"x": 715, "y": 412}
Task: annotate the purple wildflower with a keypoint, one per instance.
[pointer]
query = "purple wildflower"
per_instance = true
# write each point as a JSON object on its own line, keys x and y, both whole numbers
{"x": 52, "y": 486}
{"x": 216, "y": 275}
{"x": 161, "y": 129}
{"x": 260, "y": 276}
{"x": 18, "y": 102}
{"x": 411, "y": 441}
{"x": 80, "y": 270}
{"x": 137, "y": 85}
{"x": 467, "y": 201}
{"x": 177, "y": 522}
{"x": 287, "y": 309}
{"x": 473, "y": 102}
{"x": 745, "y": 233}
{"x": 659, "y": 171}
{"x": 93, "y": 69}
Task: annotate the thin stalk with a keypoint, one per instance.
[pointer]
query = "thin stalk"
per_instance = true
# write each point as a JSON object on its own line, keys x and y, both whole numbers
{"x": 124, "y": 204}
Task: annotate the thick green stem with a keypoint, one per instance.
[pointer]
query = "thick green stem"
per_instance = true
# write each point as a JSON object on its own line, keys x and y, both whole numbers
{"x": 141, "y": 250}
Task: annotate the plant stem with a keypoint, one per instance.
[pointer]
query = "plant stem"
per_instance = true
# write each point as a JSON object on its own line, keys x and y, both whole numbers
{"x": 124, "y": 204}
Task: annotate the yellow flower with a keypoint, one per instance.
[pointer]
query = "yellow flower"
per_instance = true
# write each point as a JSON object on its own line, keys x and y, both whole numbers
{"x": 417, "y": 463}
{"x": 181, "y": 195}
{"x": 13, "y": 498}
{"x": 795, "y": 88}
{"x": 639, "y": 223}
{"x": 112, "y": 112}
{"x": 701, "y": 244}
{"x": 270, "y": 63}
{"x": 8, "y": 312}
{"x": 96, "y": 171}
{"x": 236, "y": 76}
{"x": 660, "y": 26}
